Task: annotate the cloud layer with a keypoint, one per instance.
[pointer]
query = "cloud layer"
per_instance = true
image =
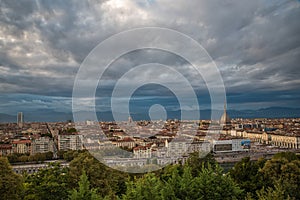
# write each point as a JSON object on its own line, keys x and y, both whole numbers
{"x": 255, "y": 44}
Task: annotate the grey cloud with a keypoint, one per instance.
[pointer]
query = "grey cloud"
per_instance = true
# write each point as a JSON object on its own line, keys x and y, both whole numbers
{"x": 255, "y": 43}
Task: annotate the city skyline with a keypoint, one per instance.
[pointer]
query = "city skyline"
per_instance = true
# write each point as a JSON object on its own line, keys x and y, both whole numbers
{"x": 255, "y": 46}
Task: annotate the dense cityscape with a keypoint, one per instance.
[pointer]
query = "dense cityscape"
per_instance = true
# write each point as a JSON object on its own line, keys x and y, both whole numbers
{"x": 228, "y": 139}
{"x": 36, "y": 149}
{"x": 149, "y": 100}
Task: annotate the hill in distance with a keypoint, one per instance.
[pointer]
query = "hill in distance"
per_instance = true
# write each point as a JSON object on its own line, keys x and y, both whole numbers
{"x": 52, "y": 116}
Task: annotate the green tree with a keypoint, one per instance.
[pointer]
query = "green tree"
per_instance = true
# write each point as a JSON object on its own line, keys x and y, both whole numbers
{"x": 290, "y": 178}
{"x": 197, "y": 160}
{"x": 60, "y": 154}
{"x": 23, "y": 158}
{"x": 247, "y": 175}
{"x": 271, "y": 194}
{"x": 146, "y": 188}
{"x": 10, "y": 182}
{"x": 169, "y": 171}
{"x": 84, "y": 192}
{"x": 179, "y": 185}
{"x": 13, "y": 158}
{"x": 213, "y": 184}
{"x": 290, "y": 156}
{"x": 72, "y": 130}
{"x": 107, "y": 180}
{"x": 40, "y": 157}
{"x": 49, "y": 155}
{"x": 176, "y": 184}
{"x": 47, "y": 184}
{"x": 283, "y": 170}
{"x": 70, "y": 155}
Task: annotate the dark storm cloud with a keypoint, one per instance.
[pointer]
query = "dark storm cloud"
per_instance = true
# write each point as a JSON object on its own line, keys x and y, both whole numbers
{"x": 255, "y": 44}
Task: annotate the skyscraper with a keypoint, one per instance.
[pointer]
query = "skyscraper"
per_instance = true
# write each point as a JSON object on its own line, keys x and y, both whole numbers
{"x": 20, "y": 119}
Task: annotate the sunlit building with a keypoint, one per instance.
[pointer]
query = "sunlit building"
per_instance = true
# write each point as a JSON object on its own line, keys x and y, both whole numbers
{"x": 69, "y": 142}
{"x": 42, "y": 145}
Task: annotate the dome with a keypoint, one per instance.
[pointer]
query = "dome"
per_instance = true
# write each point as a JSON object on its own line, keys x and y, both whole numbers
{"x": 225, "y": 119}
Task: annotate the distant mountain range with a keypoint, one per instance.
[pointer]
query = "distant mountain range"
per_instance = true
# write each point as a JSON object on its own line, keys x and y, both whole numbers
{"x": 271, "y": 112}
{"x": 52, "y": 116}
{"x": 7, "y": 118}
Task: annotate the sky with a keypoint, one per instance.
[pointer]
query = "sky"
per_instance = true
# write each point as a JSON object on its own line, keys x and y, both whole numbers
{"x": 255, "y": 46}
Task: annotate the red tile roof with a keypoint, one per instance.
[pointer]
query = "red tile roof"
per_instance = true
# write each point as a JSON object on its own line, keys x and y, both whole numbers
{"x": 5, "y": 146}
{"x": 21, "y": 142}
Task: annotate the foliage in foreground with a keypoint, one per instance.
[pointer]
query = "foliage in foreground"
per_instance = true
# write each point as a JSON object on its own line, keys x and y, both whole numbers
{"x": 277, "y": 178}
{"x": 84, "y": 191}
{"x": 199, "y": 178}
{"x": 10, "y": 183}
{"x": 209, "y": 184}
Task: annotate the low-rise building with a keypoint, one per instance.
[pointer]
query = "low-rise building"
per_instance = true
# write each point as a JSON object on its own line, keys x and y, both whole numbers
{"x": 256, "y": 136}
{"x": 21, "y": 146}
{"x": 142, "y": 151}
{"x": 292, "y": 142}
{"x": 177, "y": 147}
{"x": 280, "y": 139}
{"x": 125, "y": 143}
{"x": 5, "y": 149}
{"x": 232, "y": 145}
{"x": 199, "y": 146}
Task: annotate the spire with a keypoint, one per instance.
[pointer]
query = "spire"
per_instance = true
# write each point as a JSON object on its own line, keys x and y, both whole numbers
{"x": 225, "y": 119}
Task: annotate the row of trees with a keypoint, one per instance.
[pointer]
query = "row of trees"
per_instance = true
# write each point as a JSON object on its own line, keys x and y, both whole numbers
{"x": 41, "y": 157}
{"x": 201, "y": 178}
{"x": 22, "y": 158}
{"x": 277, "y": 178}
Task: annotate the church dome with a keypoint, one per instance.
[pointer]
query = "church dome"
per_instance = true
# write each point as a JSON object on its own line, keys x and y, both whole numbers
{"x": 225, "y": 119}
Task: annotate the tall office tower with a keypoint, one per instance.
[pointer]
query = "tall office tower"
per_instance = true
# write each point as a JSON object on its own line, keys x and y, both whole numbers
{"x": 20, "y": 119}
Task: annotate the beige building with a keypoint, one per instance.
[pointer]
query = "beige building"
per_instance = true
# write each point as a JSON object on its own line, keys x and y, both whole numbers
{"x": 126, "y": 142}
{"x": 254, "y": 136}
{"x": 183, "y": 147}
{"x": 292, "y": 142}
{"x": 70, "y": 142}
{"x": 280, "y": 140}
{"x": 21, "y": 146}
{"x": 42, "y": 145}
{"x": 142, "y": 151}
{"x": 177, "y": 147}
